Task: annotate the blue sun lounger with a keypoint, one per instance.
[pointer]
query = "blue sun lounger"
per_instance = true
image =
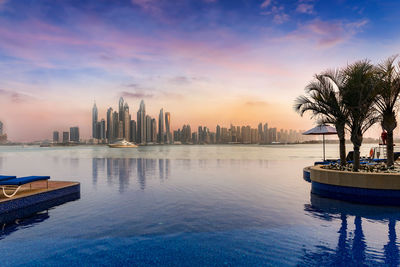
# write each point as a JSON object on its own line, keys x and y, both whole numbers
{"x": 13, "y": 183}
{"x": 6, "y": 177}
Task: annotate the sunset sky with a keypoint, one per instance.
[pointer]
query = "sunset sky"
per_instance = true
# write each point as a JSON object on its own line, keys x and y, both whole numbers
{"x": 205, "y": 61}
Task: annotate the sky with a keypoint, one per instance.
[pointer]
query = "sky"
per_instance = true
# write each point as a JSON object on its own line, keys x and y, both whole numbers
{"x": 207, "y": 62}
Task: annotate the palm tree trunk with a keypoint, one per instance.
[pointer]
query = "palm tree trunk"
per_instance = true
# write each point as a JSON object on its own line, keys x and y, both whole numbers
{"x": 356, "y": 159}
{"x": 342, "y": 144}
{"x": 389, "y": 149}
{"x": 342, "y": 149}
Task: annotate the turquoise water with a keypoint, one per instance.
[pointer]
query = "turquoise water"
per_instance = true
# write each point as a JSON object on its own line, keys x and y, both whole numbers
{"x": 193, "y": 205}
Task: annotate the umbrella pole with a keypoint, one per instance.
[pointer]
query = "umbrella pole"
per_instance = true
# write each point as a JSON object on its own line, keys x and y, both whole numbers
{"x": 323, "y": 144}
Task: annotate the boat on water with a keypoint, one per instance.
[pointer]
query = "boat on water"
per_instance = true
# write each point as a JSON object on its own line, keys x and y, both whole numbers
{"x": 122, "y": 144}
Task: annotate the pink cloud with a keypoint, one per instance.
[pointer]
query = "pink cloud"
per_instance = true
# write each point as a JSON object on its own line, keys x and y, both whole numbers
{"x": 266, "y": 3}
{"x": 326, "y": 33}
{"x": 305, "y": 8}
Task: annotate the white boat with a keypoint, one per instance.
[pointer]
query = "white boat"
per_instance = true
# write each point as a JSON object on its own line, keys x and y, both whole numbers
{"x": 122, "y": 144}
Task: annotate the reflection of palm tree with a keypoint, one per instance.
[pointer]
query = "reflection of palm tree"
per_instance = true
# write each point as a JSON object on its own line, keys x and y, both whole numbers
{"x": 358, "y": 248}
{"x": 391, "y": 249}
{"x": 350, "y": 252}
{"x": 342, "y": 251}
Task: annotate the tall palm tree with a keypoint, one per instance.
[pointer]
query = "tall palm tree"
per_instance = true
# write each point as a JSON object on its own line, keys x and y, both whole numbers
{"x": 324, "y": 101}
{"x": 388, "y": 82}
{"x": 359, "y": 97}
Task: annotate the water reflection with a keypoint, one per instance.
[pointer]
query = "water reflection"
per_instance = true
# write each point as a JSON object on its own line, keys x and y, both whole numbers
{"x": 29, "y": 217}
{"x": 351, "y": 247}
{"x": 128, "y": 169}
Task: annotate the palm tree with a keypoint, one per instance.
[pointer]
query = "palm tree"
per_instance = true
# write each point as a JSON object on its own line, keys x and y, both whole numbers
{"x": 359, "y": 96}
{"x": 324, "y": 101}
{"x": 388, "y": 82}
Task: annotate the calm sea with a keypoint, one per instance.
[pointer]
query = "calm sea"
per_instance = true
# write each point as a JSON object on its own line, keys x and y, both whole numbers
{"x": 193, "y": 206}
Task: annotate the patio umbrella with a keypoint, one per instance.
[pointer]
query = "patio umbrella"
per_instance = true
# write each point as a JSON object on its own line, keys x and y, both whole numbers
{"x": 321, "y": 130}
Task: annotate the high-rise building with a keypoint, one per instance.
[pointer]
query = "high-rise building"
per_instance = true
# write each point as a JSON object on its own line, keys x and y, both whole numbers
{"x": 132, "y": 131}
{"x": 94, "y": 121}
{"x": 266, "y": 136}
{"x": 66, "y": 137}
{"x": 260, "y": 133}
{"x": 121, "y": 109}
{"x": 102, "y": 135}
{"x": 120, "y": 129}
{"x": 160, "y": 137}
{"x": 115, "y": 125}
{"x": 168, "y": 128}
{"x": 74, "y": 134}
{"x": 148, "y": 129}
{"x": 141, "y": 123}
{"x": 218, "y": 134}
{"x": 56, "y": 137}
{"x": 153, "y": 130}
{"x": 110, "y": 125}
{"x": 126, "y": 121}
{"x": 1, "y": 128}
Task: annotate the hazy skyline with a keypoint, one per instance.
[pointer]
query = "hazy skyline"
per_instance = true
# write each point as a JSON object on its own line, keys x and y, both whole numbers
{"x": 205, "y": 61}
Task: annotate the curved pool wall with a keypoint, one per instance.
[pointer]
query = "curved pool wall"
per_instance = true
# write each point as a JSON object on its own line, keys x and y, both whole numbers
{"x": 370, "y": 188}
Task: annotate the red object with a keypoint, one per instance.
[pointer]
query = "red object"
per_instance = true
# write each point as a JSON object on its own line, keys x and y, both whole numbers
{"x": 384, "y": 137}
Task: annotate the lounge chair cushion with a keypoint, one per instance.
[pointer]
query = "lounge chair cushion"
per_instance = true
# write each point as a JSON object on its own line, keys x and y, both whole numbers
{"x": 6, "y": 177}
{"x": 24, "y": 180}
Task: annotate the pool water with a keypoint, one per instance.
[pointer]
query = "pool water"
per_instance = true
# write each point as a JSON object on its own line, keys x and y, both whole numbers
{"x": 192, "y": 206}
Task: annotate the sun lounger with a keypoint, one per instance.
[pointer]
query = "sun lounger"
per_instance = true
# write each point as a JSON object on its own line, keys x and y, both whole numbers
{"x": 16, "y": 183}
{"x": 6, "y": 177}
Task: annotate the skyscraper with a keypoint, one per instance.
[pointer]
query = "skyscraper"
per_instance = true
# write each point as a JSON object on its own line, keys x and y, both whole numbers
{"x": 121, "y": 109}
{"x": 153, "y": 130}
{"x": 66, "y": 137}
{"x": 218, "y": 134}
{"x": 102, "y": 129}
{"x": 132, "y": 131}
{"x": 94, "y": 121}
{"x": 168, "y": 128}
{"x": 115, "y": 124}
{"x": 161, "y": 127}
{"x": 110, "y": 122}
{"x": 148, "y": 129}
{"x": 266, "y": 135}
{"x": 74, "y": 134}
{"x": 141, "y": 123}
{"x": 126, "y": 121}
{"x": 56, "y": 136}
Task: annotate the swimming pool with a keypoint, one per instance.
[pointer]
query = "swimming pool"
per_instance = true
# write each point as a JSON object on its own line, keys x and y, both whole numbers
{"x": 192, "y": 205}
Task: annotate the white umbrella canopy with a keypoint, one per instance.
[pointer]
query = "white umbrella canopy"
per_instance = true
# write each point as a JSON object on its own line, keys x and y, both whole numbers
{"x": 321, "y": 130}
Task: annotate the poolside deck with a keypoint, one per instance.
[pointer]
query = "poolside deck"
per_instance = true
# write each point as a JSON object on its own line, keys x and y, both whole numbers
{"x": 37, "y": 192}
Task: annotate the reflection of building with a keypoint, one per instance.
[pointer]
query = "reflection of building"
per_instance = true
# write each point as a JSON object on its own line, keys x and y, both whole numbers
{"x": 124, "y": 169}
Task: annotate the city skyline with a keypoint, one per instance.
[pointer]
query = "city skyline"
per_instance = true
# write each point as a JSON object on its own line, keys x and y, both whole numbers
{"x": 147, "y": 130}
{"x": 244, "y": 61}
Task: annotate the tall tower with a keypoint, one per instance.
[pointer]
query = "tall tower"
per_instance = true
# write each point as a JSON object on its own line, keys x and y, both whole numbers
{"x": 160, "y": 137}
{"x": 110, "y": 125}
{"x": 141, "y": 123}
{"x": 121, "y": 109}
{"x": 94, "y": 121}
{"x": 168, "y": 127}
{"x": 126, "y": 122}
